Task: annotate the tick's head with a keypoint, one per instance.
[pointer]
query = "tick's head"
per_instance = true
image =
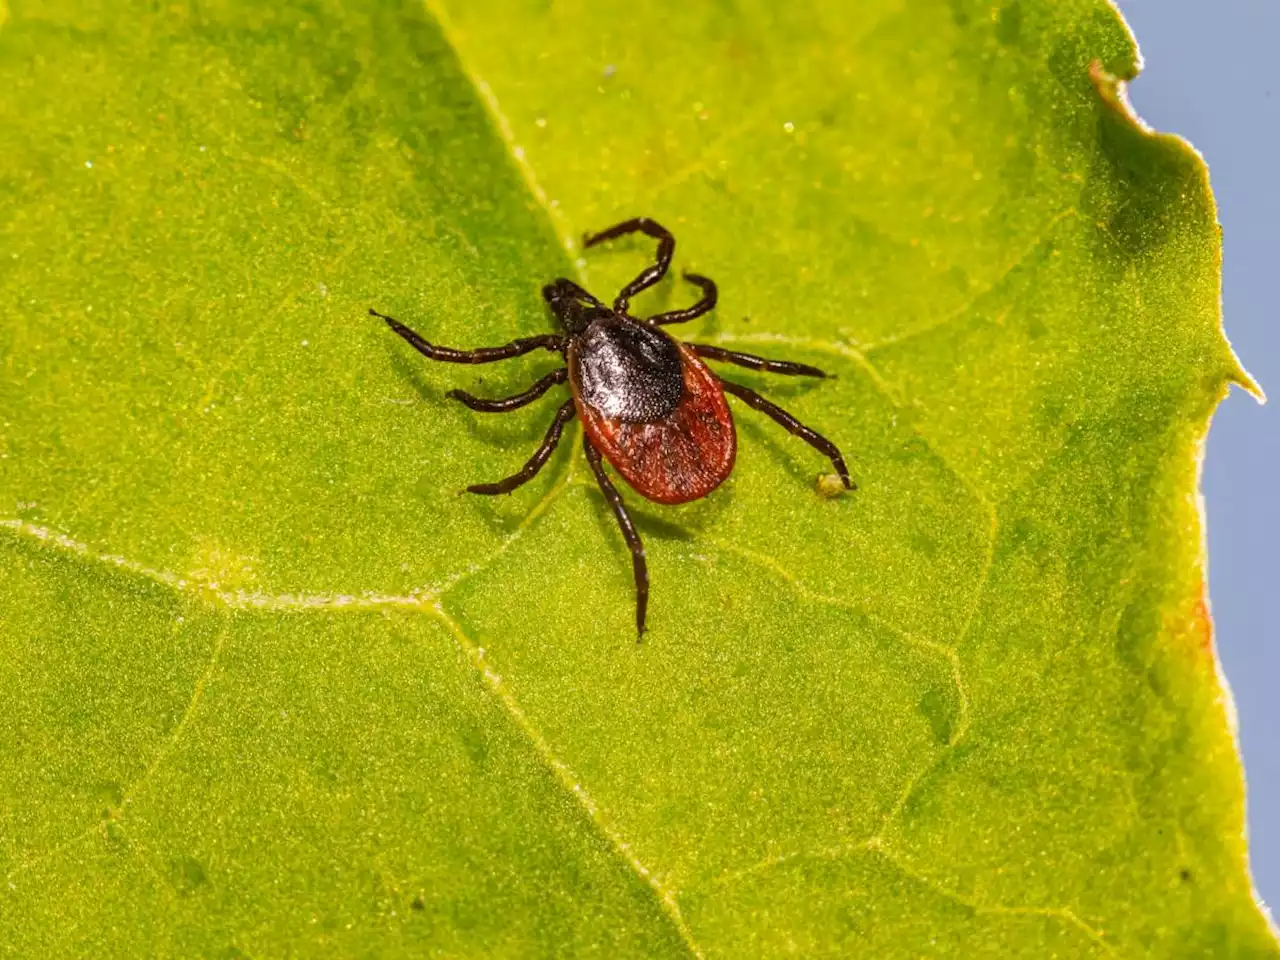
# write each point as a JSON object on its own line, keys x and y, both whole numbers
{"x": 573, "y": 306}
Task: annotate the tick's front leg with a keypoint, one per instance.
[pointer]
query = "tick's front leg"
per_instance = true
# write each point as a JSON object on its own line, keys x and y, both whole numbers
{"x": 515, "y": 348}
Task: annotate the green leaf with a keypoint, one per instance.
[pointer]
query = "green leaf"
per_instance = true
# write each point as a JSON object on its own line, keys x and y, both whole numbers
{"x": 271, "y": 686}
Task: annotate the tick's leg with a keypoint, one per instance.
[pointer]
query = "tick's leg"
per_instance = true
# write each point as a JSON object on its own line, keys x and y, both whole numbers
{"x": 530, "y": 469}
{"x": 752, "y": 362}
{"x": 638, "y": 566}
{"x": 792, "y": 425}
{"x": 515, "y": 348}
{"x": 649, "y": 275}
{"x": 511, "y": 403}
{"x": 705, "y": 305}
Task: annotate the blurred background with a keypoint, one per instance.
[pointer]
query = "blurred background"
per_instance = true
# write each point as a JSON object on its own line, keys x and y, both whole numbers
{"x": 1212, "y": 75}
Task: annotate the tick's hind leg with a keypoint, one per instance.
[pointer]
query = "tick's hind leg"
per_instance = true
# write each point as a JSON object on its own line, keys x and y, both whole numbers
{"x": 649, "y": 275}
{"x": 540, "y": 456}
{"x": 513, "y": 402}
{"x": 515, "y": 348}
{"x": 638, "y": 566}
{"x": 705, "y": 305}
{"x": 792, "y": 425}
{"x": 752, "y": 362}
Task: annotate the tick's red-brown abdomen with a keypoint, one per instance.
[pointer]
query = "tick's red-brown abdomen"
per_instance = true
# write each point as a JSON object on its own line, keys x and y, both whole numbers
{"x": 683, "y": 456}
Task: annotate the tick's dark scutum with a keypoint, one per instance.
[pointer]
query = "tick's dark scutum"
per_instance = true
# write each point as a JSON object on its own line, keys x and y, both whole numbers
{"x": 628, "y": 371}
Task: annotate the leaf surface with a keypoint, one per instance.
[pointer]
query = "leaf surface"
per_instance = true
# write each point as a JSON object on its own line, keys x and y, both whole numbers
{"x": 276, "y": 688}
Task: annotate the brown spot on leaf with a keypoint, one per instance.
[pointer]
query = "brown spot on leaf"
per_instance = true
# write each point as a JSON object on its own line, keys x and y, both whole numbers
{"x": 1202, "y": 621}
{"x": 1190, "y": 627}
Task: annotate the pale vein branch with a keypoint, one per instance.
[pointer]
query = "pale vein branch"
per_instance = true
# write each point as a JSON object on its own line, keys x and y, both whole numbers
{"x": 171, "y": 744}
{"x": 537, "y": 510}
{"x": 207, "y": 591}
{"x": 567, "y": 779}
{"x": 961, "y": 311}
{"x": 1063, "y": 914}
{"x": 559, "y": 222}
{"x": 163, "y": 752}
{"x": 212, "y": 593}
{"x": 941, "y": 651}
{"x": 850, "y": 352}
{"x": 876, "y": 848}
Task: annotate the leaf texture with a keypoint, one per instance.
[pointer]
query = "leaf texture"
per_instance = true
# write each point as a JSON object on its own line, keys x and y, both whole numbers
{"x": 274, "y": 688}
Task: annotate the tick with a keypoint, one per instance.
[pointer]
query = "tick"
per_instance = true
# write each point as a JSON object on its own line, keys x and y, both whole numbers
{"x": 647, "y": 401}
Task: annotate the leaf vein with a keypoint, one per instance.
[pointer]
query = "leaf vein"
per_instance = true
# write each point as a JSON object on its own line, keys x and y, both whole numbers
{"x": 962, "y": 727}
{"x": 556, "y": 218}
{"x": 859, "y": 358}
{"x": 1042, "y": 237}
{"x": 939, "y": 650}
{"x": 174, "y": 738}
{"x": 942, "y": 651}
{"x": 875, "y": 848}
{"x": 538, "y": 509}
{"x": 128, "y": 792}
{"x": 566, "y": 778}
{"x": 1063, "y": 914}
{"x": 202, "y": 589}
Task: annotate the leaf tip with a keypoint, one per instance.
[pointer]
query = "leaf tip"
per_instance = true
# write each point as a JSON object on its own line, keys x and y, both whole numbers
{"x": 1243, "y": 379}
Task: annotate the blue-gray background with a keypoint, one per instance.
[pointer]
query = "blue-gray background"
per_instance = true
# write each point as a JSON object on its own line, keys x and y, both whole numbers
{"x": 1212, "y": 74}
